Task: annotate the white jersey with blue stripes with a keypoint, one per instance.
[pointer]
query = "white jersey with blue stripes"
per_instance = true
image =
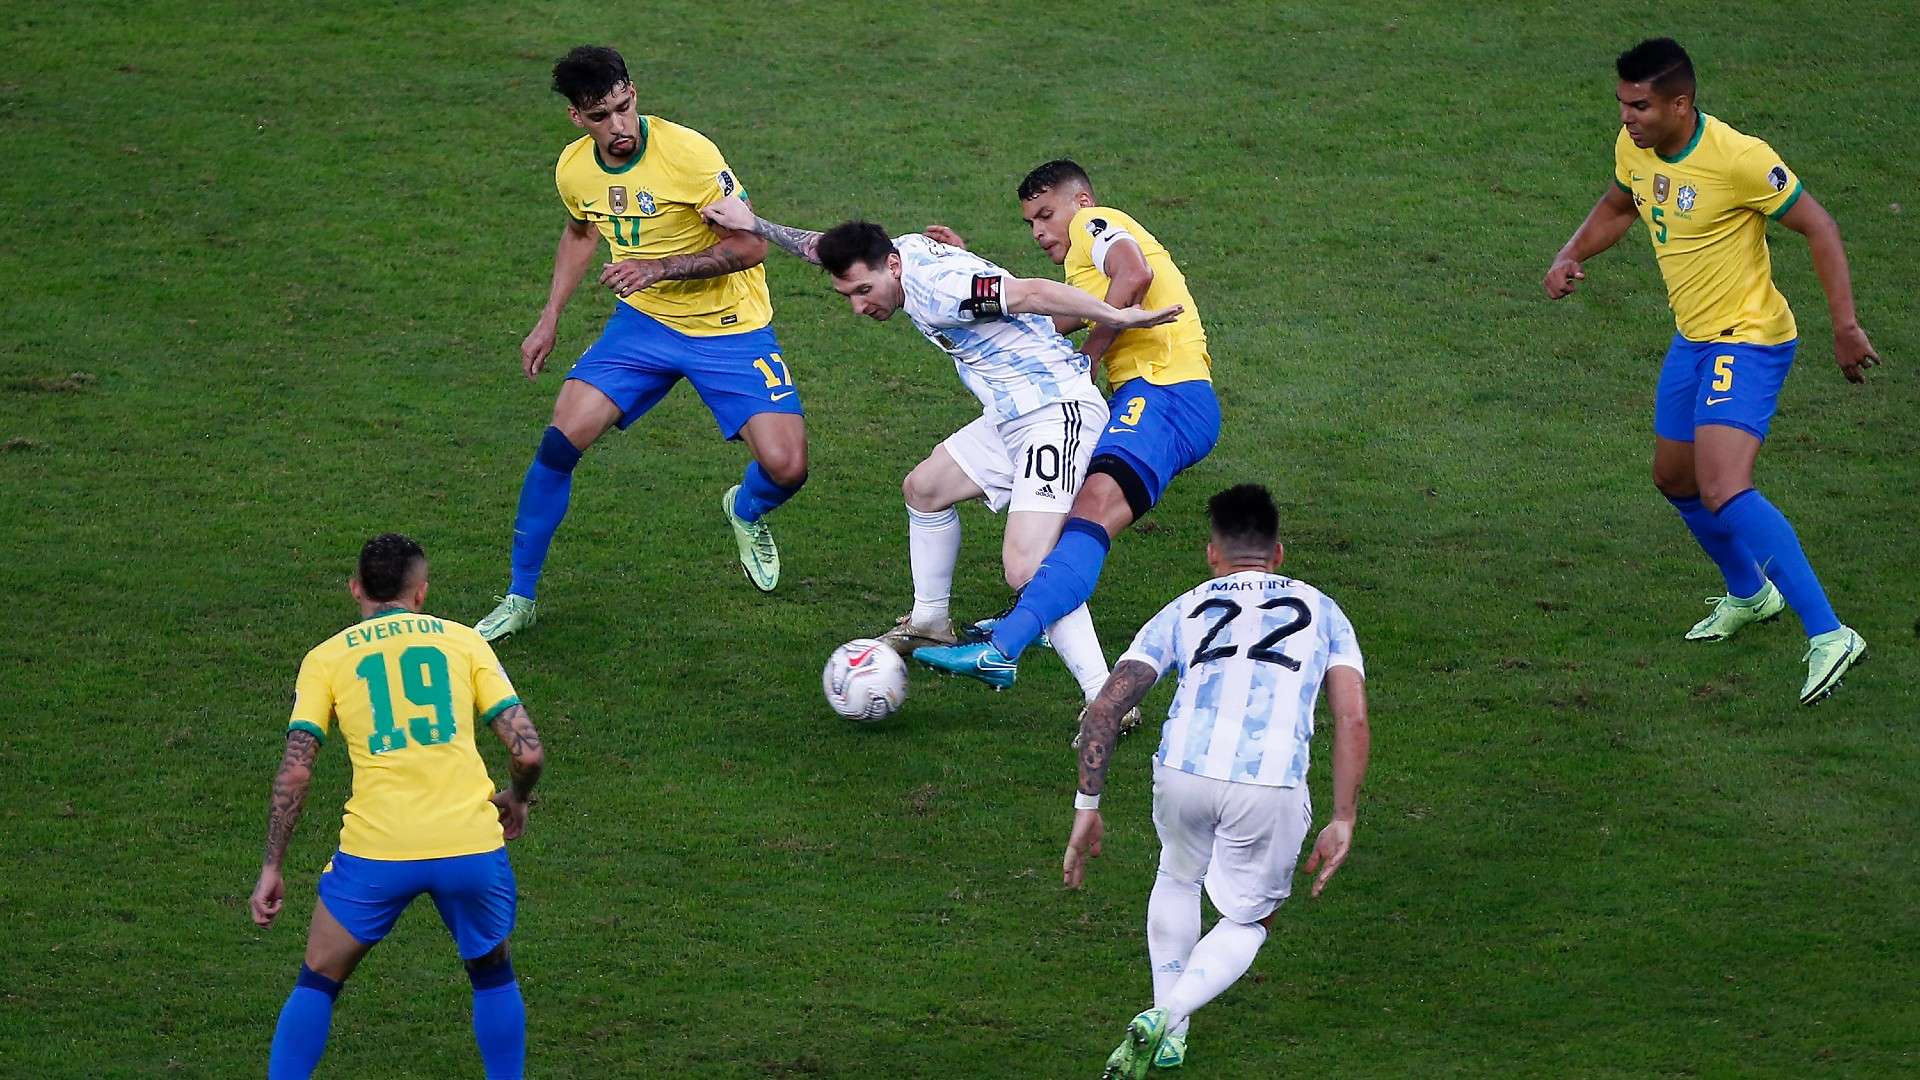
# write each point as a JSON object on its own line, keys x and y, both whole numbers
{"x": 1015, "y": 364}
{"x": 1252, "y": 650}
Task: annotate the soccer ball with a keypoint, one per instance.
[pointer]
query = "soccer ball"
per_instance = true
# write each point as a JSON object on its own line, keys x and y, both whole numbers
{"x": 865, "y": 680}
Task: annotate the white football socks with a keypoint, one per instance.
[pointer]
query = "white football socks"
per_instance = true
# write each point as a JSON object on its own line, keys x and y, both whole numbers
{"x": 1216, "y": 963}
{"x": 1173, "y": 926}
{"x": 1074, "y": 639}
{"x": 933, "y": 546}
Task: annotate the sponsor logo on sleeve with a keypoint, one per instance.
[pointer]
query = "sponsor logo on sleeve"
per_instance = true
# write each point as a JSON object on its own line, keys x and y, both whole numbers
{"x": 726, "y": 182}
{"x": 1096, "y": 226}
{"x": 1777, "y": 176}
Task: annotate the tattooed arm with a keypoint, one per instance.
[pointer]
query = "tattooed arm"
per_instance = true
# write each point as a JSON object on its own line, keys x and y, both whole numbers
{"x": 733, "y": 213}
{"x": 1100, "y": 721}
{"x": 1099, "y": 728}
{"x": 735, "y": 251}
{"x": 283, "y": 813}
{"x": 527, "y": 758}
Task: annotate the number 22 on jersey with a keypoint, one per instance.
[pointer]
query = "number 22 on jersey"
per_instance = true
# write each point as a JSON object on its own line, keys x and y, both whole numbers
{"x": 426, "y": 685}
{"x": 1266, "y": 650}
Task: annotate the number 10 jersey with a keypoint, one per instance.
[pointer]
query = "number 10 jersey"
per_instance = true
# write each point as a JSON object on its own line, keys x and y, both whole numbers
{"x": 1251, "y": 650}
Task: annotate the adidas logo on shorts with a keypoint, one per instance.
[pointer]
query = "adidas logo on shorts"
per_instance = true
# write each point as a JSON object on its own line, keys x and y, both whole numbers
{"x": 1045, "y": 492}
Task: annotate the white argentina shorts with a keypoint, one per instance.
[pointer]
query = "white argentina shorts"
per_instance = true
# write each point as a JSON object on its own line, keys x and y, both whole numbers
{"x": 1036, "y": 462}
{"x": 1243, "y": 839}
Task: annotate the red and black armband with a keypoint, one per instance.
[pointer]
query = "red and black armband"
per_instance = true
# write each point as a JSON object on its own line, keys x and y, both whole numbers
{"x": 985, "y": 301}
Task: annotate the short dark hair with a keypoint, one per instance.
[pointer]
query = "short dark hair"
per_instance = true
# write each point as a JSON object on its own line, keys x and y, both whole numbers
{"x": 1660, "y": 63}
{"x": 1244, "y": 516}
{"x": 1053, "y": 174}
{"x": 387, "y": 564}
{"x": 588, "y": 73}
{"x": 850, "y": 242}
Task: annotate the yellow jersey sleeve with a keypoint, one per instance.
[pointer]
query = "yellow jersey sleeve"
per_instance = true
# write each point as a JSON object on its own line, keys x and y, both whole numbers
{"x": 1622, "y": 171}
{"x": 1762, "y": 182}
{"x": 1162, "y": 355}
{"x": 493, "y": 692}
{"x": 312, "y": 698}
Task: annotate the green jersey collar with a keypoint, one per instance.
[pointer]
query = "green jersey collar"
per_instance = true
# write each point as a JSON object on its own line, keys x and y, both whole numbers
{"x": 638, "y": 153}
{"x": 1699, "y": 126}
{"x": 395, "y": 609}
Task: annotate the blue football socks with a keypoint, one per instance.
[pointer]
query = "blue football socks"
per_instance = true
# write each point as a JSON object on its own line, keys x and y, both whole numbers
{"x": 1064, "y": 581}
{"x": 499, "y": 1021}
{"x": 759, "y": 495}
{"x": 301, "y": 1035}
{"x": 1755, "y": 523}
{"x": 1736, "y": 563}
{"x": 543, "y": 503}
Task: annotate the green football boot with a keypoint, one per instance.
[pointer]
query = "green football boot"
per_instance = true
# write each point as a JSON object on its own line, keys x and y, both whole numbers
{"x": 1731, "y": 613}
{"x": 1829, "y": 656}
{"x": 1132, "y": 1058}
{"x": 514, "y": 614}
{"x": 759, "y": 557}
{"x": 1172, "y": 1053}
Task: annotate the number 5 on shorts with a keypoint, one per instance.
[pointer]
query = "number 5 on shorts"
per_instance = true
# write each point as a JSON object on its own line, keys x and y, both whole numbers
{"x": 1723, "y": 373}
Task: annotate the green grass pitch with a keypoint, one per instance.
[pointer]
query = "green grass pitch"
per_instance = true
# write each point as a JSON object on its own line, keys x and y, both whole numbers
{"x": 266, "y": 271}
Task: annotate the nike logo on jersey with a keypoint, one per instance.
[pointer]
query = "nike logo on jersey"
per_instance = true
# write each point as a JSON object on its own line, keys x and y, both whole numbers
{"x": 584, "y": 203}
{"x": 782, "y": 397}
{"x": 1718, "y": 400}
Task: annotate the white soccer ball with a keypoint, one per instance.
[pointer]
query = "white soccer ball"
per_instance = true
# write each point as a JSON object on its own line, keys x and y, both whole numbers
{"x": 865, "y": 680}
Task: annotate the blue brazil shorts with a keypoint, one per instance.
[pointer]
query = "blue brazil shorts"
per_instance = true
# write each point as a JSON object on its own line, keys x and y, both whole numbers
{"x": 1719, "y": 382}
{"x": 638, "y": 359}
{"x": 475, "y": 894}
{"x": 1160, "y": 431}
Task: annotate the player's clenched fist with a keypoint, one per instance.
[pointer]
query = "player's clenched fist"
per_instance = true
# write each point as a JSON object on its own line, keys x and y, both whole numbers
{"x": 536, "y": 348}
{"x": 629, "y": 276}
{"x": 731, "y": 212}
{"x": 1561, "y": 276}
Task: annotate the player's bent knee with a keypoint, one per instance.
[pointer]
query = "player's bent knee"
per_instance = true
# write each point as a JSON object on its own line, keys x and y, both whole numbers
{"x": 1105, "y": 500}
{"x": 491, "y": 970}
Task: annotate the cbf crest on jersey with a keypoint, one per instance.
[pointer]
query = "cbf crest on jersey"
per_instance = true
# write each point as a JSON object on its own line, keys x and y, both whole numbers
{"x": 1660, "y": 185}
{"x": 646, "y": 203}
{"x": 617, "y": 200}
{"x": 1684, "y": 199}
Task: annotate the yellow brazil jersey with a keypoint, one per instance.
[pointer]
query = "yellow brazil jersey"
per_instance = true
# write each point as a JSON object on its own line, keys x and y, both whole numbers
{"x": 1176, "y": 352}
{"x": 409, "y": 693}
{"x": 1706, "y": 209}
{"x": 649, "y": 208}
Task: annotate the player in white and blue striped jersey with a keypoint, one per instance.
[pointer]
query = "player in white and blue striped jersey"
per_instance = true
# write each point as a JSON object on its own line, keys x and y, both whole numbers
{"x": 1252, "y": 650}
{"x": 1040, "y": 413}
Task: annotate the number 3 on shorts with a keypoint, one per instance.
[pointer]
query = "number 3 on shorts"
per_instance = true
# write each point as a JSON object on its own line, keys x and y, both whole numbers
{"x": 1135, "y": 406}
{"x": 784, "y": 378}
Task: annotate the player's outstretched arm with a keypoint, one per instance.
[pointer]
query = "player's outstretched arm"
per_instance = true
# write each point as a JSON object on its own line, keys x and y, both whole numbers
{"x": 1039, "y": 296}
{"x": 1606, "y": 223}
{"x": 1851, "y": 349}
{"x": 1352, "y": 740}
{"x": 1099, "y": 730}
{"x": 732, "y": 253}
{"x": 571, "y": 257}
{"x": 733, "y": 213}
{"x": 283, "y": 813}
{"x": 526, "y": 758}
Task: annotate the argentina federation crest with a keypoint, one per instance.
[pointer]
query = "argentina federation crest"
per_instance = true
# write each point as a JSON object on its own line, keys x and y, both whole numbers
{"x": 617, "y": 200}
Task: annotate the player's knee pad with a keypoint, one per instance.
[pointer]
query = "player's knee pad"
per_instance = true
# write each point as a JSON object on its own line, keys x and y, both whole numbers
{"x": 313, "y": 980}
{"x": 495, "y": 969}
{"x": 1131, "y": 486}
{"x": 557, "y": 452}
